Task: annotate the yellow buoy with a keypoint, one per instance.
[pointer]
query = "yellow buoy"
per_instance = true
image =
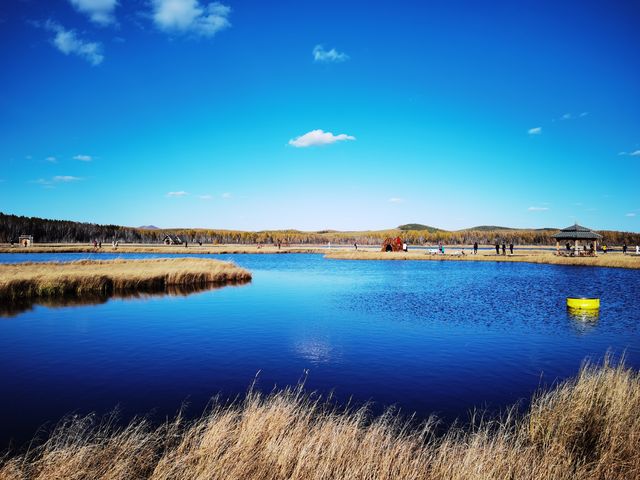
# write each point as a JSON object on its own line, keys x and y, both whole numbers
{"x": 583, "y": 303}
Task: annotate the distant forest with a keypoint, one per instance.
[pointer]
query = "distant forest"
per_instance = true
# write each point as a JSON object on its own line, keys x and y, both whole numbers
{"x": 63, "y": 231}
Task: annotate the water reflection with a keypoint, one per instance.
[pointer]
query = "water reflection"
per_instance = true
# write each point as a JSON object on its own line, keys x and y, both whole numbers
{"x": 317, "y": 350}
{"x": 583, "y": 320}
{"x": 18, "y": 306}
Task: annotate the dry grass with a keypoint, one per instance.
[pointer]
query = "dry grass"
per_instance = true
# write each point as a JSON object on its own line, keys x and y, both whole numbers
{"x": 616, "y": 260}
{"x": 157, "y": 248}
{"x": 90, "y": 277}
{"x": 587, "y": 428}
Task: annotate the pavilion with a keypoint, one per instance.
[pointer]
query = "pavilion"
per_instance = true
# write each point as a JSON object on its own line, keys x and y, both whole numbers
{"x": 577, "y": 234}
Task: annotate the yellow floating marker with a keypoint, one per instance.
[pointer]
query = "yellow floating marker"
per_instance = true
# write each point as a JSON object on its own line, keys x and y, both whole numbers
{"x": 583, "y": 303}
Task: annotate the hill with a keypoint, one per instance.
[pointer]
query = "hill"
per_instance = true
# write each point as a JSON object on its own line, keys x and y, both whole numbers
{"x": 489, "y": 228}
{"x": 63, "y": 231}
{"x": 419, "y": 227}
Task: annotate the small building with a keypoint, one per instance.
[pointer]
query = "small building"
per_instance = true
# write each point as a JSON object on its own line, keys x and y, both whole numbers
{"x": 25, "y": 240}
{"x": 171, "y": 239}
{"x": 577, "y": 236}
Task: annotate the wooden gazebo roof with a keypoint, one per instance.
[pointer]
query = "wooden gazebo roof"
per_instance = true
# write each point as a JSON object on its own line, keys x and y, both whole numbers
{"x": 576, "y": 232}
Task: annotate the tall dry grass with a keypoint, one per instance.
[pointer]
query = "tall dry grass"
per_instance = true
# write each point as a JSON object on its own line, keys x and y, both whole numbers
{"x": 586, "y": 428}
{"x": 613, "y": 260}
{"x": 91, "y": 277}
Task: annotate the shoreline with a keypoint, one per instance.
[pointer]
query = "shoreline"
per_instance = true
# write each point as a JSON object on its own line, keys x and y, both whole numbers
{"x": 159, "y": 248}
{"x": 609, "y": 260}
{"x": 31, "y": 281}
{"x": 528, "y": 254}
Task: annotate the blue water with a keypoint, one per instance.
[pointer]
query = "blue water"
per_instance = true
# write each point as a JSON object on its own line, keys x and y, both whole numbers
{"x": 441, "y": 337}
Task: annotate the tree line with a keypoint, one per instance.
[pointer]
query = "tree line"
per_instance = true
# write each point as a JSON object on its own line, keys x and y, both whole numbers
{"x": 64, "y": 231}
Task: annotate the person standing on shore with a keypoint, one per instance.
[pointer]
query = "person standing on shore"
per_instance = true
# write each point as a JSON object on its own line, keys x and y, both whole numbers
{"x": 355, "y": 245}
{"x": 475, "y": 248}
{"x": 511, "y": 248}
{"x": 504, "y": 248}
{"x": 497, "y": 248}
{"x": 624, "y": 249}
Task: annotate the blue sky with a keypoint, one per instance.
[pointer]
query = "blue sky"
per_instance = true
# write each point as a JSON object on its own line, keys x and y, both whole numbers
{"x": 312, "y": 115}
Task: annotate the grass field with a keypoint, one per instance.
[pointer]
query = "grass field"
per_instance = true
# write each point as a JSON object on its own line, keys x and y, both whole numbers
{"x": 522, "y": 253}
{"x": 93, "y": 277}
{"x": 157, "y": 248}
{"x": 586, "y": 428}
{"x": 616, "y": 259}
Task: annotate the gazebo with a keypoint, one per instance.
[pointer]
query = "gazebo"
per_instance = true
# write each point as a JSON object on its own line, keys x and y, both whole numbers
{"x": 577, "y": 234}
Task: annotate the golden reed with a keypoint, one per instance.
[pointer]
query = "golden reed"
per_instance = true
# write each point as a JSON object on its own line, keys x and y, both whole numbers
{"x": 586, "y": 428}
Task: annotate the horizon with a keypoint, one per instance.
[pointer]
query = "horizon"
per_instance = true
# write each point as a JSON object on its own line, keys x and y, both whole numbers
{"x": 251, "y": 116}
{"x": 488, "y": 228}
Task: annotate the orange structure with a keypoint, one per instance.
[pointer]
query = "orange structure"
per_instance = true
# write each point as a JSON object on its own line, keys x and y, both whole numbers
{"x": 392, "y": 245}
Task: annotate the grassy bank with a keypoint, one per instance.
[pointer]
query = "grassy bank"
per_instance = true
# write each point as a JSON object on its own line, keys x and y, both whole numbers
{"x": 157, "y": 248}
{"x": 587, "y": 428}
{"x": 615, "y": 260}
{"x": 90, "y": 277}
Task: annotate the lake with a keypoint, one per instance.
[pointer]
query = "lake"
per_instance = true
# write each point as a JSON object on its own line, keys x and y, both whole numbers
{"x": 427, "y": 337}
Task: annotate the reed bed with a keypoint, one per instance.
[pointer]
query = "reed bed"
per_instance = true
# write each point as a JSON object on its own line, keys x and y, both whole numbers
{"x": 88, "y": 278}
{"x": 585, "y": 428}
{"x": 614, "y": 260}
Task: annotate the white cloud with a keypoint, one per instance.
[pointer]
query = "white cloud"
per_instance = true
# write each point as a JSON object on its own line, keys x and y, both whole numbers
{"x": 571, "y": 116}
{"x": 66, "y": 178}
{"x": 396, "y": 200}
{"x": 538, "y": 209}
{"x": 318, "y": 137}
{"x": 205, "y": 197}
{"x": 328, "y": 56}
{"x": 635, "y": 153}
{"x": 189, "y": 16}
{"x": 83, "y": 158}
{"x": 630, "y": 214}
{"x": 226, "y": 195}
{"x": 181, "y": 193}
{"x": 42, "y": 181}
{"x": 68, "y": 42}
{"x": 535, "y": 131}
{"x": 51, "y": 159}
{"x": 57, "y": 179}
{"x": 99, "y": 11}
